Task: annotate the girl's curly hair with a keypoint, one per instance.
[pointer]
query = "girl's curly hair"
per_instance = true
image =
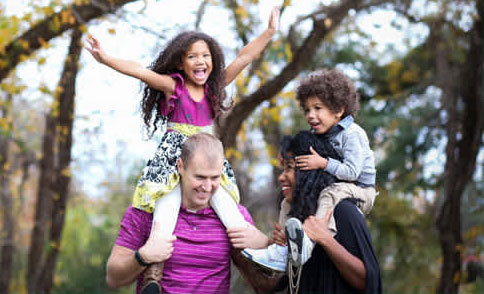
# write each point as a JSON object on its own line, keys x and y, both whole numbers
{"x": 309, "y": 183}
{"x": 169, "y": 61}
{"x": 335, "y": 90}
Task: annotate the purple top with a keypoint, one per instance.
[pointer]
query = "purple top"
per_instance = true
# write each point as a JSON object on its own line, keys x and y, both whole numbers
{"x": 182, "y": 108}
{"x": 200, "y": 262}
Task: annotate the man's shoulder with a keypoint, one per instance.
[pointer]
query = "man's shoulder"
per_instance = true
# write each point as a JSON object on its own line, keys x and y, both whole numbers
{"x": 245, "y": 213}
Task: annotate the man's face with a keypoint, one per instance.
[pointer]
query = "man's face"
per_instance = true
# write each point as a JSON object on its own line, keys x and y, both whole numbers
{"x": 200, "y": 178}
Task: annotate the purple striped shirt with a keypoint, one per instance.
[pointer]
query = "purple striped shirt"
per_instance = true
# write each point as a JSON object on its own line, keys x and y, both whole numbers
{"x": 201, "y": 258}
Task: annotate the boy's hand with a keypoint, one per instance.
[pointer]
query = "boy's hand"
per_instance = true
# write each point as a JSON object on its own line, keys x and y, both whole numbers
{"x": 311, "y": 162}
{"x": 274, "y": 19}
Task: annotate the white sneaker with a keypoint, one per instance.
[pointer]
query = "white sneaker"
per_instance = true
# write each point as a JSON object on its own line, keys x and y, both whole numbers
{"x": 300, "y": 246}
{"x": 273, "y": 257}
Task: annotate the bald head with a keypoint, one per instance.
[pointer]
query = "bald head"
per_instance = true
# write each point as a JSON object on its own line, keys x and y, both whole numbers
{"x": 203, "y": 144}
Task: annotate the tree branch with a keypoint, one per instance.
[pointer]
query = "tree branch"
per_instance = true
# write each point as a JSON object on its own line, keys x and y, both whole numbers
{"x": 50, "y": 28}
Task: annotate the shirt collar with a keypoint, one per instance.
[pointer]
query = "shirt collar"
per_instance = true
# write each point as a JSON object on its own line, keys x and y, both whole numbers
{"x": 341, "y": 125}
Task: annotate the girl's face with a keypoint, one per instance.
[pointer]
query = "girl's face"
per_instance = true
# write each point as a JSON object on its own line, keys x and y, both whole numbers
{"x": 319, "y": 117}
{"x": 287, "y": 178}
{"x": 197, "y": 63}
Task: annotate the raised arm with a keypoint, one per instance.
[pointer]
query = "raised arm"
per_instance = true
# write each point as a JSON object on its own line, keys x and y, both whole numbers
{"x": 253, "y": 49}
{"x": 131, "y": 68}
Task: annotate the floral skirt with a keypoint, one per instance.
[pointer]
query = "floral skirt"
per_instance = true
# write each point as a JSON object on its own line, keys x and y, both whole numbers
{"x": 160, "y": 176}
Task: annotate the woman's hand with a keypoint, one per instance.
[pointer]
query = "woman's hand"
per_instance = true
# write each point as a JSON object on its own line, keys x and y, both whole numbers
{"x": 317, "y": 228}
{"x": 278, "y": 235}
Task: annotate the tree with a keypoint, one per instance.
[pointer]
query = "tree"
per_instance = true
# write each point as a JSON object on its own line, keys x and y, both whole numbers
{"x": 55, "y": 176}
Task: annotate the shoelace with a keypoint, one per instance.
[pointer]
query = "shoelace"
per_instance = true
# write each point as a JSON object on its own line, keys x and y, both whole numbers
{"x": 294, "y": 287}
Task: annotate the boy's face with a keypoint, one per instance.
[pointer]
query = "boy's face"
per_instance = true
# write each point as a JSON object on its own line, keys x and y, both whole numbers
{"x": 319, "y": 117}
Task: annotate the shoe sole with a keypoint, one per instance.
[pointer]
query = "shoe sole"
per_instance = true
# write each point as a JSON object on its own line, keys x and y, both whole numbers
{"x": 266, "y": 265}
{"x": 151, "y": 288}
{"x": 294, "y": 234}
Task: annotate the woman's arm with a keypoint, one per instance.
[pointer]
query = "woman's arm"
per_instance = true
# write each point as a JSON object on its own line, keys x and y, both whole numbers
{"x": 157, "y": 81}
{"x": 253, "y": 49}
{"x": 349, "y": 266}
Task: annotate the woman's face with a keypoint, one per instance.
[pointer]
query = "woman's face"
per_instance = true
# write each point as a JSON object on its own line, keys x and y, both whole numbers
{"x": 287, "y": 178}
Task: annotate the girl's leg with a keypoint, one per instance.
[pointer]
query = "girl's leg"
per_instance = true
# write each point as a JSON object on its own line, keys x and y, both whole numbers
{"x": 227, "y": 210}
{"x": 166, "y": 212}
{"x": 166, "y": 215}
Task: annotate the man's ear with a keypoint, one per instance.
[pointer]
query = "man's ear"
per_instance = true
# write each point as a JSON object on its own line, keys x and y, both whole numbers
{"x": 179, "y": 165}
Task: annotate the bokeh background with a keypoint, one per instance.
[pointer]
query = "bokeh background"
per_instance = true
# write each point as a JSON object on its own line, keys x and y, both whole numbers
{"x": 72, "y": 144}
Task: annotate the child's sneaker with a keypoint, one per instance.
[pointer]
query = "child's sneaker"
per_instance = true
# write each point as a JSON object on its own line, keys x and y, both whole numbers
{"x": 273, "y": 257}
{"x": 299, "y": 244}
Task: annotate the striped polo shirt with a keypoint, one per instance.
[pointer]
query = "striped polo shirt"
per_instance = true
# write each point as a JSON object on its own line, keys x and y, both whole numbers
{"x": 200, "y": 262}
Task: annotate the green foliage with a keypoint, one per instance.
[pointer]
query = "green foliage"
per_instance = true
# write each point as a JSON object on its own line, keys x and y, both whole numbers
{"x": 87, "y": 240}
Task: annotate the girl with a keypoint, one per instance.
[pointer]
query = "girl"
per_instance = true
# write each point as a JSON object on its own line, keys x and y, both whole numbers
{"x": 184, "y": 87}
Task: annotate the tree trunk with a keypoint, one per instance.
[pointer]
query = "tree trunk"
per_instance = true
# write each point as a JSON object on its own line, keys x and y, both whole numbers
{"x": 6, "y": 236}
{"x": 464, "y": 133}
{"x": 55, "y": 176}
{"x": 42, "y": 207}
{"x": 63, "y": 157}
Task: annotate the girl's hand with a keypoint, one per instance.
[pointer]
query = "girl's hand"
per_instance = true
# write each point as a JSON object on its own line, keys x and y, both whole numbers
{"x": 95, "y": 49}
{"x": 311, "y": 162}
{"x": 274, "y": 19}
{"x": 278, "y": 235}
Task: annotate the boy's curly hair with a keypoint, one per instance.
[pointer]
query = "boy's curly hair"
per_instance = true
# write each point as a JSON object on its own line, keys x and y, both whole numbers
{"x": 334, "y": 89}
{"x": 169, "y": 61}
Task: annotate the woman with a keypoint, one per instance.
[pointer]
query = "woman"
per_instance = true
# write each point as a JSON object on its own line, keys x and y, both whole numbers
{"x": 345, "y": 263}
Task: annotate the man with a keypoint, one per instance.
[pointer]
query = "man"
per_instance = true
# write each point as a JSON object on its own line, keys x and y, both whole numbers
{"x": 197, "y": 260}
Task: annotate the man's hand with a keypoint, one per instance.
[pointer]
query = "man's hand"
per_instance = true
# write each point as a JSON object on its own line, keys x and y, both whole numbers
{"x": 247, "y": 237}
{"x": 157, "y": 248}
{"x": 311, "y": 162}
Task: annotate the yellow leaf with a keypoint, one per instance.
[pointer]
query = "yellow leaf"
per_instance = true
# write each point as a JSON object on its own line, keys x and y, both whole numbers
{"x": 43, "y": 43}
{"x": 241, "y": 12}
{"x": 112, "y": 31}
{"x": 24, "y": 44}
{"x": 23, "y": 57}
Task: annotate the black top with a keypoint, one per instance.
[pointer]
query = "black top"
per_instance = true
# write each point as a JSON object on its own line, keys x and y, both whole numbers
{"x": 321, "y": 276}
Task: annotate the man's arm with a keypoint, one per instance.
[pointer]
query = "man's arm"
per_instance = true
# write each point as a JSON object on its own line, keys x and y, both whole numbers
{"x": 122, "y": 268}
{"x": 262, "y": 280}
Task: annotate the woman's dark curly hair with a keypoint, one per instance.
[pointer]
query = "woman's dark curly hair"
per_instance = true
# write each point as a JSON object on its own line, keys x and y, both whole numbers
{"x": 335, "y": 90}
{"x": 309, "y": 183}
{"x": 169, "y": 62}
